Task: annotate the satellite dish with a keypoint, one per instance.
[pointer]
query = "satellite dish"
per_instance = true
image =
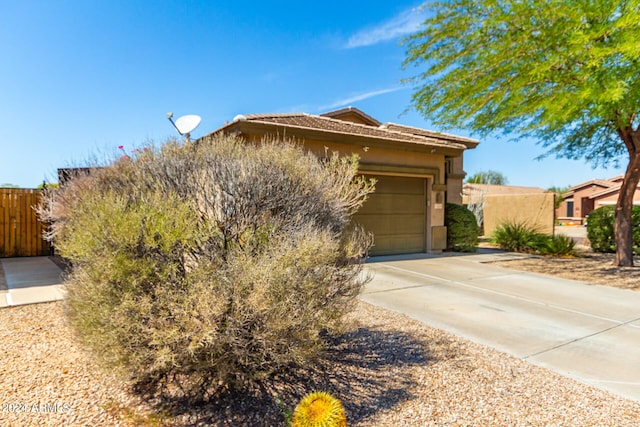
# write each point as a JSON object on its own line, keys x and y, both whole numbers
{"x": 186, "y": 124}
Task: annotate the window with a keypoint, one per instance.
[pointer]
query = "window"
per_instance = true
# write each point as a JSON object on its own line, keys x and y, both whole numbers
{"x": 570, "y": 208}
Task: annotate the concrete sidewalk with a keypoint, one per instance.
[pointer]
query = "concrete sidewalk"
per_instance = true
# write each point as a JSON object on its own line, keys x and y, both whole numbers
{"x": 30, "y": 280}
{"x": 587, "y": 332}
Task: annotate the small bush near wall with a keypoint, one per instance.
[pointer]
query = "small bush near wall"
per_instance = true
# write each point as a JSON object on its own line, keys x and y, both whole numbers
{"x": 522, "y": 237}
{"x": 211, "y": 264}
{"x": 462, "y": 228}
{"x": 600, "y": 228}
{"x": 558, "y": 244}
{"x": 518, "y": 237}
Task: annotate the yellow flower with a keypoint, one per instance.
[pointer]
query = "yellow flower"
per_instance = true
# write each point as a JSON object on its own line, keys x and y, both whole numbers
{"x": 319, "y": 409}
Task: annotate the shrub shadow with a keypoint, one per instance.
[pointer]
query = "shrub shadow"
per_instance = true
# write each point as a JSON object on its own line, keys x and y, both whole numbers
{"x": 363, "y": 368}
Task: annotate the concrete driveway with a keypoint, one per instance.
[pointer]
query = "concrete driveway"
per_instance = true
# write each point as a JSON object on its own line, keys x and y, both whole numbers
{"x": 577, "y": 232}
{"x": 30, "y": 280}
{"x": 587, "y": 332}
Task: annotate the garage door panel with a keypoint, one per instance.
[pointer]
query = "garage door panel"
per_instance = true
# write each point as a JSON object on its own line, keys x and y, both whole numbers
{"x": 399, "y": 185}
{"x": 393, "y": 224}
{"x": 391, "y": 204}
{"x": 399, "y": 244}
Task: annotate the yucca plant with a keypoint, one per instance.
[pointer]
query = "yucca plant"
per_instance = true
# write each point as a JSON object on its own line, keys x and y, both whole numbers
{"x": 559, "y": 244}
{"x": 518, "y": 237}
{"x": 319, "y": 409}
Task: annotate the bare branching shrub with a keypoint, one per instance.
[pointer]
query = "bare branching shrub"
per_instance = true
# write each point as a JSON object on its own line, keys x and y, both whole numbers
{"x": 213, "y": 263}
{"x": 475, "y": 204}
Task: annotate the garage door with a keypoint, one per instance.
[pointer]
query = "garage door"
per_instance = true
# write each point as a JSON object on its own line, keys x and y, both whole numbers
{"x": 396, "y": 214}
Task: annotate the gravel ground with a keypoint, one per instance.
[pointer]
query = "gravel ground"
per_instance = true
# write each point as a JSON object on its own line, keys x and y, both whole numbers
{"x": 389, "y": 370}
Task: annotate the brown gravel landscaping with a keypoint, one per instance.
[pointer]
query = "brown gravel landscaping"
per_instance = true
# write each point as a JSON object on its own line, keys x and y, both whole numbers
{"x": 389, "y": 370}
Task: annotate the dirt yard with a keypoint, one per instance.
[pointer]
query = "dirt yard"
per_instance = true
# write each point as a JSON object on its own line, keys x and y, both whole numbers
{"x": 587, "y": 267}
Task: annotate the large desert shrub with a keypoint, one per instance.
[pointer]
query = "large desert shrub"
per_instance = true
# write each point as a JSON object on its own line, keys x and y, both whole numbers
{"x": 212, "y": 263}
{"x": 600, "y": 229}
{"x": 462, "y": 228}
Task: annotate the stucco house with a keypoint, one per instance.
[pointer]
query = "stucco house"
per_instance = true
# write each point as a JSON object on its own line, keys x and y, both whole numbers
{"x": 581, "y": 199}
{"x": 417, "y": 170}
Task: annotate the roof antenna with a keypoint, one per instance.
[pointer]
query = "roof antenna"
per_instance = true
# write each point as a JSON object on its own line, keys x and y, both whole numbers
{"x": 185, "y": 124}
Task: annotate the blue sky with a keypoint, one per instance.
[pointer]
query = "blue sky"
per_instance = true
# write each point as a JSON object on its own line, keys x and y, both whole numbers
{"x": 83, "y": 77}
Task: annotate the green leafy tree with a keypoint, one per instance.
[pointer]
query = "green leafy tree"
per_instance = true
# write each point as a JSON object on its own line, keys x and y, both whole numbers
{"x": 8, "y": 185}
{"x": 566, "y": 72}
{"x": 47, "y": 185}
{"x": 488, "y": 177}
{"x": 558, "y": 192}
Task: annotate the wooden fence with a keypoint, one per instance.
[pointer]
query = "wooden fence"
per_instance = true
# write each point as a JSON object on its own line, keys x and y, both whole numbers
{"x": 20, "y": 229}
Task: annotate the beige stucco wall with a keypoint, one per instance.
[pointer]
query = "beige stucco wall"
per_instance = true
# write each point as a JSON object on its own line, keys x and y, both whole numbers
{"x": 536, "y": 210}
{"x": 455, "y": 179}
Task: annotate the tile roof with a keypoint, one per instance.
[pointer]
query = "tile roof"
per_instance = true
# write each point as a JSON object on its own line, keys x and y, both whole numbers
{"x": 605, "y": 192}
{"x": 608, "y": 185}
{"x": 328, "y": 124}
{"x": 612, "y": 190}
{"x": 352, "y": 110}
{"x": 601, "y": 182}
{"x": 424, "y": 132}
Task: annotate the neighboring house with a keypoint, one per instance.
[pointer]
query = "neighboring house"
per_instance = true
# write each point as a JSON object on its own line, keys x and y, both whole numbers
{"x": 497, "y": 204}
{"x": 416, "y": 170}
{"x": 581, "y": 199}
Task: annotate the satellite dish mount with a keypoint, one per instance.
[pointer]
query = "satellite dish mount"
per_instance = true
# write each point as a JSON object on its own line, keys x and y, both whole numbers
{"x": 185, "y": 124}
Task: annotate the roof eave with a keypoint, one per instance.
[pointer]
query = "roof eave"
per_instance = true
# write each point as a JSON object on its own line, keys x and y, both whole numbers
{"x": 470, "y": 143}
{"x": 257, "y": 126}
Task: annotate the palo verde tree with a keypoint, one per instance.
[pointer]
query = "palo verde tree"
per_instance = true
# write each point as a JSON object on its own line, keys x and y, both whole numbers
{"x": 566, "y": 72}
{"x": 488, "y": 177}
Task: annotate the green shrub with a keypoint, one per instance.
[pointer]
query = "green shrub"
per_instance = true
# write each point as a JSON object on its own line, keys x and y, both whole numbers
{"x": 462, "y": 228}
{"x": 558, "y": 244}
{"x": 518, "y": 237}
{"x": 213, "y": 263}
{"x": 521, "y": 237}
{"x": 600, "y": 229}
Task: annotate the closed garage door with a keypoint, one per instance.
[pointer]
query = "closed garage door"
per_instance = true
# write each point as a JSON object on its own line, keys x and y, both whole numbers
{"x": 396, "y": 215}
